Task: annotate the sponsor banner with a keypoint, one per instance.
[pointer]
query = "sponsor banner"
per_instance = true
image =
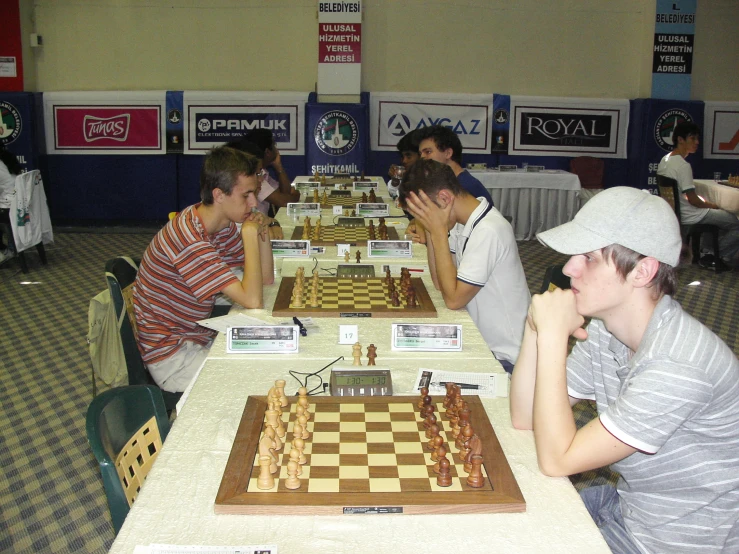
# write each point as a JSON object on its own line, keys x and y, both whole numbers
{"x": 175, "y": 126}
{"x": 672, "y": 52}
{"x": 392, "y": 115}
{"x": 721, "y": 131}
{"x": 214, "y": 118}
{"x": 568, "y": 127}
{"x": 339, "y": 47}
{"x": 16, "y": 127}
{"x": 337, "y": 138}
{"x": 501, "y": 122}
{"x": 104, "y": 122}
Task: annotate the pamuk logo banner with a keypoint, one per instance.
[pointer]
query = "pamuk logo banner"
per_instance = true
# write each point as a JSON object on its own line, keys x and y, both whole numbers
{"x": 393, "y": 115}
{"x": 554, "y": 127}
{"x": 114, "y": 128}
{"x": 227, "y": 126}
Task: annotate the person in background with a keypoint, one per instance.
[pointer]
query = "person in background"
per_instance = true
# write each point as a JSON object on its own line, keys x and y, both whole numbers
{"x": 408, "y": 148}
{"x": 9, "y": 168}
{"x": 693, "y": 209}
{"x": 666, "y": 387}
{"x": 278, "y": 193}
{"x": 472, "y": 255}
{"x": 189, "y": 262}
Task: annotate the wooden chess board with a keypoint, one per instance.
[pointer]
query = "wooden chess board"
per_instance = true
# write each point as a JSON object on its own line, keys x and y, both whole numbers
{"x": 729, "y": 184}
{"x": 366, "y": 453}
{"x": 349, "y": 201}
{"x": 331, "y": 235}
{"x": 338, "y": 295}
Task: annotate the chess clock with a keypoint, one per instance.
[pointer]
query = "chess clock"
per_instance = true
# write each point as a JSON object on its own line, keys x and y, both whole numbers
{"x": 362, "y": 382}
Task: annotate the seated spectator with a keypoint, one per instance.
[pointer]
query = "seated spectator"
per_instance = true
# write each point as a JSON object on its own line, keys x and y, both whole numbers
{"x": 693, "y": 209}
{"x": 472, "y": 255}
{"x": 278, "y": 193}
{"x": 189, "y": 262}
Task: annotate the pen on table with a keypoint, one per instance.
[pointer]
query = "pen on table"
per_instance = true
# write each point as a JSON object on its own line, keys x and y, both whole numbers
{"x": 303, "y": 330}
{"x": 460, "y": 385}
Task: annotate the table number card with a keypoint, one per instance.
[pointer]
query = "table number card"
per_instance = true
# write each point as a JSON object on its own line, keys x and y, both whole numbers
{"x": 365, "y": 186}
{"x": 268, "y": 339}
{"x": 390, "y": 248}
{"x": 348, "y": 334}
{"x": 303, "y": 209}
{"x": 507, "y": 168}
{"x": 290, "y": 248}
{"x": 427, "y": 337}
{"x": 534, "y": 169}
{"x": 372, "y": 210}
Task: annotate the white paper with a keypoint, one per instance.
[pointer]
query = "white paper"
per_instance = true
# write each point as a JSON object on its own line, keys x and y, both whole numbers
{"x": 486, "y": 385}
{"x": 188, "y": 549}
{"x": 223, "y": 322}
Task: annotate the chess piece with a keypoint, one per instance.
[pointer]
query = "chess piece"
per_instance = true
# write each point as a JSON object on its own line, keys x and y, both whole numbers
{"x": 430, "y": 420}
{"x": 359, "y": 256}
{"x": 436, "y": 442}
{"x": 324, "y": 199}
{"x": 303, "y": 421}
{"x": 475, "y": 479}
{"x": 449, "y": 394}
{"x": 465, "y": 438}
{"x": 297, "y": 299}
{"x": 426, "y": 402}
{"x": 295, "y": 457}
{"x": 475, "y": 445}
{"x": 434, "y": 431}
{"x": 440, "y": 455}
{"x": 357, "y": 353}
{"x": 271, "y": 433}
{"x": 265, "y": 480}
{"x": 280, "y": 386}
{"x": 313, "y": 299}
{"x": 444, "y": 478}
{"x": 315, "y": 175}
{"x": 371, "y": 354}
{"x": 299, "y": 445}
{"x": 372, "y": 196}
{"x": 305, "y": 235}
{"x": 266, "y": 450}
{"x": 315, "y": 195}
{"x": 364, "y": 197}
{"x": 292, "y": 482}
{"x": 306, "y": 222}
{"x": 424, "y": 393}
{"x": 410, "y": 298}
{"x": 395, "y": 299}
{"x": 346, "y": 256}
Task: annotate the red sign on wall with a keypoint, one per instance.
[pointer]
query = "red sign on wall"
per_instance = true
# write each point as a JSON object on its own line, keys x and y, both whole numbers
{"x": 112, "y": 128}
{"x": 340, "y": 43}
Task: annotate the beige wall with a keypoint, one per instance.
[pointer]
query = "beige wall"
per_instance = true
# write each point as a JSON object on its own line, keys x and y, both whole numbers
{"x": 591, "y": 48}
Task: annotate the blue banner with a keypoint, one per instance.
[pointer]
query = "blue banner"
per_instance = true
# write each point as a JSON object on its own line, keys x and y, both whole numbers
{"x": 672, "y": 53}
{"x": 650, "y": 137}
{"x": 337, "y": 138}
{"x": 501, "y": 122}
{"x": 18, "y": 127}
{"x": 175, "y": 124}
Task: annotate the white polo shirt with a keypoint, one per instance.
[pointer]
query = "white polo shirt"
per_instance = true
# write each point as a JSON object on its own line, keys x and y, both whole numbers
{"x": 486, "y": 256}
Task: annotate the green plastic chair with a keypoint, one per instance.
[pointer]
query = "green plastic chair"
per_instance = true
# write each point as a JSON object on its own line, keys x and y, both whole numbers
{"x": 126, "y": 427}
{"x": 120, "y": 273}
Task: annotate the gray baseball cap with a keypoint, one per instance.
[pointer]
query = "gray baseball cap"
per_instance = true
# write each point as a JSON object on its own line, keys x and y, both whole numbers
{"x": 620, "y": 215}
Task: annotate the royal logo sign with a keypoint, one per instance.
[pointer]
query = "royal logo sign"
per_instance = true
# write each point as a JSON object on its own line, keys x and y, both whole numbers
{"x": 555, "y": 127}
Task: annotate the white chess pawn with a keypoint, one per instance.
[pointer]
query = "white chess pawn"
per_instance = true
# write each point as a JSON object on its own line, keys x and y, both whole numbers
{"x": 295, "y": 457}
{"x": 299, "y": 445}
{"x": 297, "y": 432}
{"x": 292, "y": 482}
{"x": 303, "y": 421}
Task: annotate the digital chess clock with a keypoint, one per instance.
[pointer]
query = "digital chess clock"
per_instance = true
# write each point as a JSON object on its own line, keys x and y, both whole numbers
{"x": 369, "y": 382}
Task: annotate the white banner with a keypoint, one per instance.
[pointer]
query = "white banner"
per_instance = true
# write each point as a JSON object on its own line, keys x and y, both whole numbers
{"x": 214, "y": 118}
{"x": 103, "y": 122}
{"x": 568, "y": 127}
{"x": 339, "y": 47}
{"x": 393, "y": 114}
{"x": 721, "y": 130}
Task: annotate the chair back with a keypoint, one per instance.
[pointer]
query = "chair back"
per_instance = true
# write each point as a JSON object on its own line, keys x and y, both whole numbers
{"x": 126, "y": 427}
{"x": 120, "y": 273}
{"x": 555, "y": 279}
{"x": 589, "y": 170}
{"x": 668, "y": 191}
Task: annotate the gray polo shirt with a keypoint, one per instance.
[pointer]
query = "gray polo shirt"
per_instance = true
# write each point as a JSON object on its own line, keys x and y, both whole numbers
{"x": 677, "y": 401}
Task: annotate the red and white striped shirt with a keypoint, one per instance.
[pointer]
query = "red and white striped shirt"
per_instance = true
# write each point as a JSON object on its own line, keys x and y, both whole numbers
{"x": 182, "y": 271}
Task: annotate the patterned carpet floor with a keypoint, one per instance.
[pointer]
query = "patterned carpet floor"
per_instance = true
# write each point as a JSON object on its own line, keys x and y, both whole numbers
{"x": 51, "y": 493}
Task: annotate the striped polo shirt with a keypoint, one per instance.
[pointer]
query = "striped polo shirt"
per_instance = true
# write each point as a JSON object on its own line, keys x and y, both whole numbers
{"x": 676, "y": 400}
{"x": 182, "y": 271}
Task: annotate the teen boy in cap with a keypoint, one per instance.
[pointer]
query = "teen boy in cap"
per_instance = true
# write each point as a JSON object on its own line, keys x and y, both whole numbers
{"x": 666, "y": 387}
{"x": 472, "y": 255}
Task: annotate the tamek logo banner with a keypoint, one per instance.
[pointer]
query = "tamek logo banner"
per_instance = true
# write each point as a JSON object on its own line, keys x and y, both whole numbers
{"x": 569, "y": 127}
{"x": 721, "y": 130}
{"x": 213, "y": 118}
{"x": 104, "y": 122}
{"x": 392, "y": 115}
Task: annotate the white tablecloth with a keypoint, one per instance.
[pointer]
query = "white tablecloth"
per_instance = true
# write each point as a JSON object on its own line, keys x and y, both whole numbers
{"x": 176, "y": 503}
{"x": 724, "y": 196}
{"x": 535, "y": 201}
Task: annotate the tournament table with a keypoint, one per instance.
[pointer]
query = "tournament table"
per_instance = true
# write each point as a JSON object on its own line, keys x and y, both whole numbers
{"x": 535, "y": 201}
{"x": 725, "y": 196}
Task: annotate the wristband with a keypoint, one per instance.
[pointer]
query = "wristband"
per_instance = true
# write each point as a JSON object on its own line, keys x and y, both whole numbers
{"x": 274, "y": 224}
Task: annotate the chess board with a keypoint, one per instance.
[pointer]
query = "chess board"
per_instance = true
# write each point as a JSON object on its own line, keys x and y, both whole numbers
{"x": 366, "y": 453}
{"x": 349, "y": 201}
{"x": 729, "y": 184}
{"x": 337, "y": 295}
{"x": 331, "y": 235}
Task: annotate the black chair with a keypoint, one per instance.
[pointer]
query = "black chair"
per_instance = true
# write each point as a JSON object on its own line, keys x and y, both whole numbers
{"x": 120, "y": 273}
{"x": 691, "y": 234}
{"x": 555, "y": 279}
